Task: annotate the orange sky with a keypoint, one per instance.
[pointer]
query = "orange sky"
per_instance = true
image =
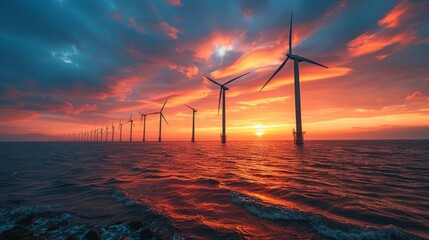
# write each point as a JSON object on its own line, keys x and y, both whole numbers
{"x": 372, "y": 89}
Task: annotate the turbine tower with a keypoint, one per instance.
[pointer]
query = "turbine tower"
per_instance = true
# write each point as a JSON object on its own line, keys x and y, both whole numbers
{"x": 120, "y": 130}
{"x": 113, "y": 132}
{"x": 101, "y": 134}
{"x": 298, "y": 134}
{"x": 107, "y": 132}
{"x": 143, "y": 119}
{"x": 193, "y": 122}
{"x": 222, "y": 93}
{"x": 131, "y": 121}
{"x": 161, "y": 116}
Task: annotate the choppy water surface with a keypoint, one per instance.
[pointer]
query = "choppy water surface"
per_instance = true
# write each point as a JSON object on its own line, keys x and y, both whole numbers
{"x": 242, "y": 190}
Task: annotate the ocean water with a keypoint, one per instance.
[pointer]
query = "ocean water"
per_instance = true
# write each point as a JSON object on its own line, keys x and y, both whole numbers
{"x": 241, "y": 190}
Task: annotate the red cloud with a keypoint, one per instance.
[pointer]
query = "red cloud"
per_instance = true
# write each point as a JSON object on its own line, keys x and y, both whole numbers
{"x": 15, "y": 115}
{"x": 414, "y": 95}
{"x": 392, "y": 19}
{"x": 168, "y": 30}
{"x": 393, "y": 32}
{"x": 176, "y": 3}
{"x": 189, "y": 71}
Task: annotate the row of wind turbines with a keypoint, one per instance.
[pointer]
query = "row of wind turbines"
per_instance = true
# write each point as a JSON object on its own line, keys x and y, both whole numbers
{"x": 298, "y": 133}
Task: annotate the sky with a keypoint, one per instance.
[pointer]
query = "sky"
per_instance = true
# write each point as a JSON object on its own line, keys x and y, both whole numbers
{"x": 71, "y": 66}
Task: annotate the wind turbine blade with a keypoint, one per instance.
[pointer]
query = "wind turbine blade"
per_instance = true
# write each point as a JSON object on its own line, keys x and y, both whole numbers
{"x": 278, "y": 70}
{"x": 309, "y": 61}
{"x": 211, "y": 80}
{"x": 163, "y": 105}
{"x": 290, "y": 33}
{"x": 235, "y": 78}
{"x": 152, "y": 113}
{"x": 220, "y": 96}
{"x": 193, "y": 109}
{"x": 162, "y": 115}
{"x": 140, "y": 113}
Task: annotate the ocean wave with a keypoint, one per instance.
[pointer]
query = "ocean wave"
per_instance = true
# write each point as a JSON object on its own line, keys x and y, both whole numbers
{"x": 120, "y": 195}
{"x": 323, "y": 225}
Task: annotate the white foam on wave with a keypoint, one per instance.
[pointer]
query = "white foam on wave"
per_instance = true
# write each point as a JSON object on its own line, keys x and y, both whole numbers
{"x": 323, "y": 225}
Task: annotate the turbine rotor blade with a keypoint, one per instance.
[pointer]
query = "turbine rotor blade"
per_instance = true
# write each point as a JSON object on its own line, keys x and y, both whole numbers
{"x": 303, "y": 59}
{"x": 290, "y": 33}
{"x": 235, "y": 78}
{"x": 278, "y": 70}
{"x": 152, "y": 113}
{"x": 163, "y": 105}
{"x": 162, "y": 115}
{"x": 220, "y": 97}
{"x": 193, "y": 109}
{"x": 211, "y": 80}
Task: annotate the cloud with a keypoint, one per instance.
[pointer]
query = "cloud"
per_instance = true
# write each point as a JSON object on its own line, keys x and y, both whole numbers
{"x": 392, "y": 19}
{"x": 168, "y": 30}
{"x": 414, "y": 95}
{"x": 175, "y": 3}
{"x": 263, "y": 101}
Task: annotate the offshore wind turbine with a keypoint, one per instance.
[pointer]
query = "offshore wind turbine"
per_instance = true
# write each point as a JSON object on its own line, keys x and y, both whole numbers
{"x": 101, "y": 134}
{"x": 131, "y": 121}
{"x": 161, "y": 116}
{"x": 143, "y": 119}
{"x": 193, "y": 122}
{"x": 113, "y": 132}
{"x": 222, "y": 93}
{"x": 298, "y": 134}
{"x": 107, "y": 132}
{"x": 120, "y": 130}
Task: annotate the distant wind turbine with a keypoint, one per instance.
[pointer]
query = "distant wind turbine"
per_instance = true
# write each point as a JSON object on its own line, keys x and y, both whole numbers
{"x": 222, "y": 93}
{"x": 107, "y": 132}
{"x": 298, "y": 135}
{"x": 193, "y": 122}
{"x": 101, "y": 134}
{"x": 131, "y": 121}
{"x": 120, "y": 130}
{"x": 113, "y": 131}
{"x": 161, "y": 116}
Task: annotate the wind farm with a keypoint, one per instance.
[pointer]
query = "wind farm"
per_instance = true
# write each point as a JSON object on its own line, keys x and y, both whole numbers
{"x": 172, "y": 120}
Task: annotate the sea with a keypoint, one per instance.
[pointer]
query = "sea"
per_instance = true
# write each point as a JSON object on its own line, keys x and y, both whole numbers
{"x": 206, "y": 190}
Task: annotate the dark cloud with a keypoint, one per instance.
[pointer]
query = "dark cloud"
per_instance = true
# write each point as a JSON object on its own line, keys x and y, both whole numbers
{"x": 100, "y": 56}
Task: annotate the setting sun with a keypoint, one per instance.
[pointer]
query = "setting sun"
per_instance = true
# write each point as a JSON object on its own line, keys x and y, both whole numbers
{"x": 259, "y": 130}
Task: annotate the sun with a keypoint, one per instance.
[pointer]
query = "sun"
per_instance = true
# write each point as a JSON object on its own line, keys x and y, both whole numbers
{"x": 259, "y": 130}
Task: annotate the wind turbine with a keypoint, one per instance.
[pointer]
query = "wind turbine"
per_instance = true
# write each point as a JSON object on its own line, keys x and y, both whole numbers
{"x": 193, "y": 122}
{"x": 161, "y": 116}
{"x": 222, "y": 93}
{"x": 131, "y": 121}
{"x": 143, "y": 118}
{"x": 120, "y": 130}
{"x": 113, "y": 132}
{"x": 101, "y": 134}
{"x": 107, "y": 132}
{"x": 298, "y": 134}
